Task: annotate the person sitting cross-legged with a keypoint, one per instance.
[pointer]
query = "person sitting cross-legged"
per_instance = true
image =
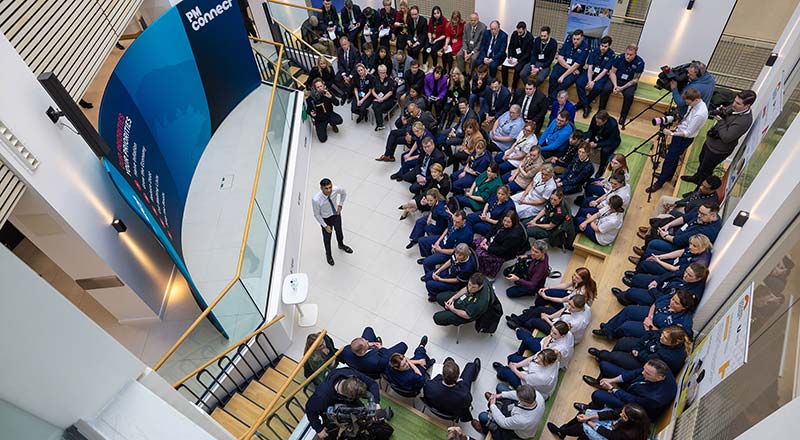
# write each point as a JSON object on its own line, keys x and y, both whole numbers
{"x": 636, "y": 320}
{"x": 560, "y": 339}
{"x": 512, "y": 414}
{"x": 617, "y": 186}
{"x": 453, "y": 274}
{"x": 368, "y": 355}
{"x": 603, "y": 226}
{"x": 450, "y": 394}
{"x": 410, "y": 375}
{"x": 465, "y": 305}
{"x": 539, "y": 371}
{"x": 575, "y": 313}
{"x": 598, "y": 186}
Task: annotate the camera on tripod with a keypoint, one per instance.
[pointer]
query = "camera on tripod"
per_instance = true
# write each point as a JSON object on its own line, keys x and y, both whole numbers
{"x": 679, "y": 74}
{"x": 361, "y": 422}
{"x": 670, "y": 116}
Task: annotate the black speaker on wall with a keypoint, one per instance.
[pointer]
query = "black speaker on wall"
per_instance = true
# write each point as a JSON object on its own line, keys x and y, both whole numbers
{"x": 70, "y": 109}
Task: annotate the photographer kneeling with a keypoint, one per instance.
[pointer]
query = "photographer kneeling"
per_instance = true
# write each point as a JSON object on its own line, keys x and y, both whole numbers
{"x": 732, "y": 123}
{"x": 338, "y": 398}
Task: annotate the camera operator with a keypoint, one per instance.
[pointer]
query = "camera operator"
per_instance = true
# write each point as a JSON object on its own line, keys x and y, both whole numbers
{"x": 682, "y": 136}
{"x": 699, "y": 79}
{"x": 732, "y": 123}
{"x": 320, "y": 106}
{"x": 341, "y": 386}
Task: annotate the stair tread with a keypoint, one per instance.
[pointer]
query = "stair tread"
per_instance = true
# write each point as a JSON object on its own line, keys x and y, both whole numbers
{"x": 229, "y": 422}
{"x": 274, "y": 380}
{"x": 259, "y": 393}
{"x": 286, "y": 365}
{"x": 244, "y": 409}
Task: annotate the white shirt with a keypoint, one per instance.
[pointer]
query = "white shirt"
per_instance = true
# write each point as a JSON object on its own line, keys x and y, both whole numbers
{"x": 694, "y": 120}
{"x": 624, "y": 192}
{"x": 579, "y": 321}
{"x": 565, "y": 347}
{"x": 609, "y": 225}
{"x": 524, "y": 422}
{"x": 522, "y": 144}
{"x": 540, "y": 190}
{"x": 543, "y": 378}
{"x": 322, "y": 208}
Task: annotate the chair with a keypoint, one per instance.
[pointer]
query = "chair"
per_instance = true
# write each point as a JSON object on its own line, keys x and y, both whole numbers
{"x": 449, "y": 417}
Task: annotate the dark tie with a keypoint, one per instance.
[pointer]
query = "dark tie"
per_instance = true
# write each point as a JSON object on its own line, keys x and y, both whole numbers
{"x": 525, "y": 106}
{"x": 347, "y": 59}
{"x": 333, "y": 207}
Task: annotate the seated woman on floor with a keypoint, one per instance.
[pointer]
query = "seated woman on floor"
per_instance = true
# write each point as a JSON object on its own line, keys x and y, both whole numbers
{"x": 671, "y": 345}
{"x": 432, "y": 224}
{"x": 520, "y": 177}
{"x": 581, "y": 283}
{"x": 618, "y": 187}
{"x": 560, "y": 339}
{"x": 503, "y": 243}
{"x": 596, "y": 187}
{"x": 439, "y": 181}
{"x": 408, "y": 160}
{"x": 534, "y": 269}
{"x": 539, "y": 371}
{"x": 482, "y": 189}
{"x": 699, "y": 250}
{"x": 472, "y": 137}
{"x": 512, "y": 158}
{"x": 577, "y": 173}
{"x": 636, "y": 321}
{"x": 529, "y": 202}
{"x": 554, "y": 214}
{"x": 494, "y": 209}
{"x": 627, "y": 423}
{"x": 646, "y": 289}
{"x": 453, "y": 274}
{"x": 477, "y": 163}
{"x": 603, "y": 226}
{"x": 575, "y": 313}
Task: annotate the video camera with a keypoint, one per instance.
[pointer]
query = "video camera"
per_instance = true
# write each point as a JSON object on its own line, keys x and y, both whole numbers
{"x": 721, "y": 111}
{"x": 668, "y": 119}
{"x": 679, "y": 74}
{"x": 355, "y": 422}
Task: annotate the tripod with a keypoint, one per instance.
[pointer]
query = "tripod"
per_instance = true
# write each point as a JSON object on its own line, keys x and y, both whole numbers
{"x": 650, "y": 107}
{"x": 655, "y": 156}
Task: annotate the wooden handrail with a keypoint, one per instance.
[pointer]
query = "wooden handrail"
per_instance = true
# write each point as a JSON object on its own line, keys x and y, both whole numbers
{"x": 300, "y": 39}
{"x": 295, "y": 80}
{"x": 228, "y": 350}
{"x": 274, "y": 402}
{"x": 239, "y": 264}
{"x": 292, "y": 5}
{"x": 309, "y": 379}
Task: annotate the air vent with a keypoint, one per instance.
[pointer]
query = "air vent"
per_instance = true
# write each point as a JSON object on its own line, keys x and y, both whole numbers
{"x": 17, "y": 147}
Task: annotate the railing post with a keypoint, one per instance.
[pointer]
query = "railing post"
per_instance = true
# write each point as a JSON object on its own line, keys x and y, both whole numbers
{"x": 273, "y": 27}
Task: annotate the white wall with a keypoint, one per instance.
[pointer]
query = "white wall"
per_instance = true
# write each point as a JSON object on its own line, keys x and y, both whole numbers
{"x": 782, "y": 424}
{"x": 772, "y": 200}
{"x": 73, "y": 183}
{"x": 507, "y": 12}
{"x": 673, "y": 35}
{"x": 57, "y": 364}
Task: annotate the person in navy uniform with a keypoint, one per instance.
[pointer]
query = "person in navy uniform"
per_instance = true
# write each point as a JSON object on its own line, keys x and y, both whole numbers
{"x": 493, "y": 211}
{"x": 653, "y": 387}
{"x": 623, "y": 78}
{"x": 410, "y": 375}
{"x": 670, "y": 345}
{"x": 636, "y": 321}
{"x": 570, "y": 59}
{"x": 436, "y": 250}
{"x": 435, "y": 222}
{"x": 544, "y": 52}
{"x": 421, "y": 173}
{"x": 643, "y": 293}
{"x": 676, "y": 234}
{"x": 520, "y": 48}
{"x": 363, "y": 85}
{"x": 450, "y": 394}
{"x": 594, "y": 78}
{"x": 368, "y": 355}
{"x": 453, "y": 274}
{"x": 352, "y": 20}
{"x": 341, "y": 386}
{"x": 493, "y": 48}
{"x": 603, "y": 133}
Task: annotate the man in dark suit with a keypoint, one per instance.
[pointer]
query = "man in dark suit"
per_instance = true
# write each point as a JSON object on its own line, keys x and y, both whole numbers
{"x": 493, "y": 48}
{"x": 533, "y": 104}
{"x": 367, "y": 354}
{"x": 495, "y": 101}
{"x": 448, "y": 394}
{"x": 417, "y": 27}
{"x": 347, "y": 58}
{"x": 520, "y": 48}
{"x": 603, "y": 133}
{"x": 653, "y": 387}
{"x": 421, "y": 173}
{"x": 341, "y": 386}
{"x": 352, "y": 20}
{"x": 455, "y": 136}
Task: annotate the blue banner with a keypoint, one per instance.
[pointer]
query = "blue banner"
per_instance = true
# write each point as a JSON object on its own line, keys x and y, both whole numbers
{"x": 168, "y": 94}
{"x": 591, "y": 16}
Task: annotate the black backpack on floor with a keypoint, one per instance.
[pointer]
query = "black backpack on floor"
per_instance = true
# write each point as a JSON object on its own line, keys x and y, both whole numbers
{"x": 488, "y": 321}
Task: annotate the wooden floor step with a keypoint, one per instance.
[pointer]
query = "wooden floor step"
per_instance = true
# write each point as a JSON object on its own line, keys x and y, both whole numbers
{"x": 243, "y": 408}
{"x": 259, "y": 393}
{"x": 229, "y": 422}
{"x": 286, "y": 365}
{"x": 293, "y": 70}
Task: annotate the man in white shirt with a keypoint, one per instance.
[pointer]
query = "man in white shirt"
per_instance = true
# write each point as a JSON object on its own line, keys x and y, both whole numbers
{"x": 327, "y": 208}
{"x": 522, "y": 412}
{"x": 682, "y": 137}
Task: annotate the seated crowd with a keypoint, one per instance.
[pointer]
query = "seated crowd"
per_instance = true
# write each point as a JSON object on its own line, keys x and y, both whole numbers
{"x": 515, "y": 155}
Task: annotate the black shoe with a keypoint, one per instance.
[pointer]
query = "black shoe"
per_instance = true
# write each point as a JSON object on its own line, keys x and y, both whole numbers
{"x": 477, "y": 363}
{"x": 420, "y": 260}
{"x": 594, "y": 352}
{"x": 431, "y": 299}
{"x": 629, "y": 274}
{"x": 497, "y": 365}
{"x": 587, "y": 111}
{"x": 622, "y": 124}
{"x": 359, "y": 119}
{"x": 411, "y": 244}
{"x": 555, "y": 430}
{"x": 347, "y": 249}
{"x": 591, "y": 381}
{"x": 627, "y": 281}
{"x": 579, "y": 200}
{"x": 423, "y": 341}
{"x": 379, "y": 340}
{"x": 581, "y": 407}
{"x": 85, "y": 104}
{"x": 691, "y": 179}
{"x": 653, "y": 188}
{"x": 335, "y": 128}
{"x": 616, "y": 291}
{"x": 601, "y": 333}
{"x": 422, "y": 278}
{"x": 395, "y": 176}
{"x": 119, "y": 46}
{"x": 511, "y": 323}
{"x": 330, "y": 260}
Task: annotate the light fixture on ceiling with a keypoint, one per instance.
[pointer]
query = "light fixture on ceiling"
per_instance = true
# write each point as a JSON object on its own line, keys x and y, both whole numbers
{"x": 690, "y": 5}
{"x": 119, "y": 226}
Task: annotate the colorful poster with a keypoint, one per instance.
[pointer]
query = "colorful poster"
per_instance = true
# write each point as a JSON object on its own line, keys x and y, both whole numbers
{"x": 591, "y": 16}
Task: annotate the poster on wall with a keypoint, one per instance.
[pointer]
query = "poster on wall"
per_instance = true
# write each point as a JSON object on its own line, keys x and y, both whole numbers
{"x": 170, "y": 91}
{"x": 592, "y": 16}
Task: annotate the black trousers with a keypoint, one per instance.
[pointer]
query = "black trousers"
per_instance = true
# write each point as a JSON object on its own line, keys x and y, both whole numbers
{"x": 708, "y": 162}
{"x": 322, "y": 126}
{"x": 434, "y": 53}
{"x": 335, "y": 222}
{"x": 381, "y": 108}
{"x": 627, "y": 99}
{"x": 573, "y": 428}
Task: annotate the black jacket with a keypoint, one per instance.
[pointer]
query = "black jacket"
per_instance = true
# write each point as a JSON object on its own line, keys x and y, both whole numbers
{"x": 507, "y": 242}
{"x": 418, "y": 30}
{"x": 354, "y": 58}
{"x": 537, "y": 109}
{"x": 525, "y": 46}
{"x": 416, "y": 81}
{"x": 321, "y": 105}
{"x": 619, "y": 430}
{"x": 607, "y": 137}
{"x": 325, "y": 395}
{"x": 348, "y": 18}
{"x": 455, "y": 400}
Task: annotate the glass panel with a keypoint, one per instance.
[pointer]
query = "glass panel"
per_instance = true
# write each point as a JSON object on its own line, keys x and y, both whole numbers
{"x": 768, "y": 380}
{"x": 257, "y": 265}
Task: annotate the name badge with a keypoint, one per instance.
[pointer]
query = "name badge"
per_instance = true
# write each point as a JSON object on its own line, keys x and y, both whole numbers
{"x": 569, "y": 61}
{"x": 380, "y": 95}
{"x": 596, "y": 70}
{"x": 400, "y": 74}
{"x": 462, "y": 297}
{"x": 624, "y": 76}
{"x": 519, "y": 51}
{"x": 684, "y": 227}
{"x": 360, "y": 94}
{"x": 541, "y": 56}
{"x": 471, "y": 43}
{"x": 414, "y": 39}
